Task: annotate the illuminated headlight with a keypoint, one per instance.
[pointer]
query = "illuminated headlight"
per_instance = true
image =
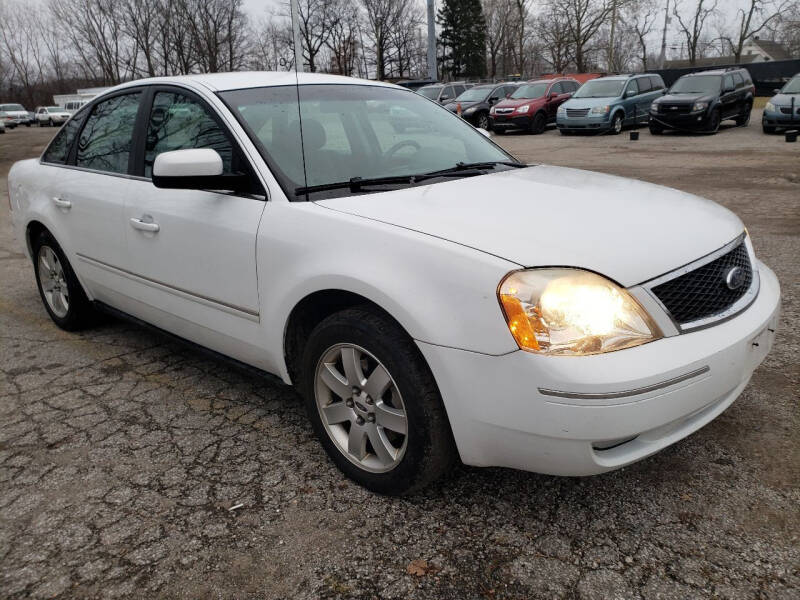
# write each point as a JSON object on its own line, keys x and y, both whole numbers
{"x": 770, "y": 107}
{"x": 699, "y": 106}
{"x": 600, "y": 110}
{"x": 523, "y": 109}
{"x": 572, "y": 312}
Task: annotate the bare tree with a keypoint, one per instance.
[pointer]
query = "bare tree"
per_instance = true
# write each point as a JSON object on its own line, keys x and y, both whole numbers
{"x": 642, "y": 18}
{"x": 754, "y": 19}
{"x": 343, "y": 41}
{"x": 556, "y": 39}
{"x": 692, "y": 26}
{"x": 382, "y": 16}
{"x": 583, "y": 19}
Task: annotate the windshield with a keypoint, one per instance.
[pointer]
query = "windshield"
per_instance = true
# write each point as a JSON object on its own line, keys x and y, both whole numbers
{"x": 697, "y": 84}
{"x": 793, "y": 87}
{"x": 601, "y": 88}
{"x": 430, "y": 92}
{"x": 11, "y": 107}
{"x": 474, "y": 95}
{"x": 535, "y": 90}
{"x": 354, "y": 131}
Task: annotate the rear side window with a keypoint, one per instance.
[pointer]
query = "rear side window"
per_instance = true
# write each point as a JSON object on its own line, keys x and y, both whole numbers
{"x": 178, "y": 122}
{"x": 727, "y": 82}
{"x": 106, "y": 140}
{"x": 738, "y": 79}
{"x": 657, "y": 82}
{"x": 632, "y": 86}
{"x": 644, "y": 84}
{"x": 58, "y": 151}
{"x": 746, "y": 77}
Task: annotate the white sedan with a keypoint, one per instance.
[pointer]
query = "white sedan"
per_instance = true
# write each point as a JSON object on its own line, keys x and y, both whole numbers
{"x": 431, "y": 297}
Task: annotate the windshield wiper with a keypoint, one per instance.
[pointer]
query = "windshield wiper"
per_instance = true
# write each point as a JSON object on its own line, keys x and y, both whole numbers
{"x": 355, "y": 184}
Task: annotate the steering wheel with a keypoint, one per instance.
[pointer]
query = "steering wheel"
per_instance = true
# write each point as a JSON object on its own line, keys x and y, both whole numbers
{"x": 399, "y": 146}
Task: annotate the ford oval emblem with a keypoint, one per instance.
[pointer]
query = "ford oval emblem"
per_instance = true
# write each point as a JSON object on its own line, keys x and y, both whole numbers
{"x": 734, "y": 278}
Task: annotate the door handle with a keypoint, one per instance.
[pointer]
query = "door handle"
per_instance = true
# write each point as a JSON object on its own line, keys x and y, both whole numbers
{"x": 61, "y": 203}
{"x": 144, "y": 226}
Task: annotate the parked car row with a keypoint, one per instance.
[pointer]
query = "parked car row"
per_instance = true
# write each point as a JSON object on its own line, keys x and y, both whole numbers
{"x": 696, "y": 102}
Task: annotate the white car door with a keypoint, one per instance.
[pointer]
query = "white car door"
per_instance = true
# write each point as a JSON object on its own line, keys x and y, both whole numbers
{"x": 88, "y": 189}
{"x": 192, "y": 253}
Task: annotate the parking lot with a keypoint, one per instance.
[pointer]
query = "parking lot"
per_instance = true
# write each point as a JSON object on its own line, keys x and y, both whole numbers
{"x": 131, "y": 466}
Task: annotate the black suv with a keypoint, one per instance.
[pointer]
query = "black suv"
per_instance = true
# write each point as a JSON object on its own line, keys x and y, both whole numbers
{"x": 476, "y": 102}
{"x": 701, "y": 101}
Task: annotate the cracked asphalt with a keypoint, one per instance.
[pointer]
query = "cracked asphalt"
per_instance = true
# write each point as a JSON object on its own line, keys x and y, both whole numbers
{"x": 123, "y": 454}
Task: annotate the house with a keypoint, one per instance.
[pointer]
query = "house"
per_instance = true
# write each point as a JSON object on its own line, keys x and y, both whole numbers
{"x": 79, "y": 98}
{"x": 765, "y": 50}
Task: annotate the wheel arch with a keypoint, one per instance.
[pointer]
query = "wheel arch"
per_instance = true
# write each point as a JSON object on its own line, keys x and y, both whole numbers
{"x": 311, "y": 310}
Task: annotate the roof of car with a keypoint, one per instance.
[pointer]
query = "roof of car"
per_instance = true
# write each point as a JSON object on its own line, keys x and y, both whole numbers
{"x": 253, "y": 79}
{"x": 713, "y": 72}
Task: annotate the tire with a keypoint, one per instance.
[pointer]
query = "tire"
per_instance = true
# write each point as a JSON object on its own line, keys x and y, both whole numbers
{"x": 482, "y": 121}
{"x": 769, "y": 129}
{"x": 744, "y": 119}
{"x": 565, "y": 132}
{"x": 50, "y": 123}
{"x": 714, "y": 121}
{"x": 410, "y": 461}
{"x": 617, "y": 122}
{"x": 538, "y": 124}
{"x": 656, "y": 129}
{"x": 41, "y": 123}
{"x": 77, "y": 312}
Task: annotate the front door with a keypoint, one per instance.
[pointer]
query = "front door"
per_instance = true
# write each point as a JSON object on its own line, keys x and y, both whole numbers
{"x": 192, "y": 252}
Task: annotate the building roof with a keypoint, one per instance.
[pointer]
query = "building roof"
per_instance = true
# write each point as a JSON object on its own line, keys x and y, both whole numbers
{"x": 776, "y": 50}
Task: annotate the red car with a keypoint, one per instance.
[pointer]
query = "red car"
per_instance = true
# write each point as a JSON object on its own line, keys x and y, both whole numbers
{"x": 533, "y": 106}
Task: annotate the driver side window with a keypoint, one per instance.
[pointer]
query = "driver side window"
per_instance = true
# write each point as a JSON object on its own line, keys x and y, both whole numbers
{"x": 632, "y": 87}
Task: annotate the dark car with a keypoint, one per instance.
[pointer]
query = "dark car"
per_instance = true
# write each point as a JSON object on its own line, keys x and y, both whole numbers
{"x": 701, "y": 101}
{"x": 532, "y": 106}
{"x": 442, "y": 92}
{"x": 783, "y": 109}
{"x": 476, "y": 102}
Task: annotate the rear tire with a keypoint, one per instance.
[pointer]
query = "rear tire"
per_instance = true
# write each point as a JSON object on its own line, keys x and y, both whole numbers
{"x": 769, "y": 129}
{"x": 61, "y": 292}
{"x": 656, "y": 129}
{"x": 371, "y": 340}
{"x": 744, "y": 119}
{"x": 538, "y": 124}
{"x": 565, "y": 132}
{"x": 714, "y": 121}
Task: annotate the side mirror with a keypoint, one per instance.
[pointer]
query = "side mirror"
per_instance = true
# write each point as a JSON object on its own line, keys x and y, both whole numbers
{"x": 444, "y": 99}
{"x": 630, "y": 93}
{"x": 195, "y": 169}
{"x": 664, "y": 92}
{"x": 494, "y": 99}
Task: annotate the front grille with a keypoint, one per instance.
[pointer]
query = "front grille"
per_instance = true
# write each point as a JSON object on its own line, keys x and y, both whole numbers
{"x": 704, "y": 291}
{"x": 787, "y": 110}
{"x": 577, "y": 112}
{"x": 503, "y": 111}
{"x": 674, "y": 108}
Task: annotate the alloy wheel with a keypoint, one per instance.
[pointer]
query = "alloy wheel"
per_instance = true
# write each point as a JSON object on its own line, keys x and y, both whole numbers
{"x": 361, "y": 408}
{"x": 617, "y": 125}
{"x": 53, "y": 281}
{"x": 483, "y": 122}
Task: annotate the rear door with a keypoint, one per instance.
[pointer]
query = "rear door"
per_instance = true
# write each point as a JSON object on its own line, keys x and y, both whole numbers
{"x": 193, "y": 260}
{"x": 553, "y": 103}
{"x": 90, "y": 193}
{"x": 630, "y": 100}
{"x": 644, "y": 99}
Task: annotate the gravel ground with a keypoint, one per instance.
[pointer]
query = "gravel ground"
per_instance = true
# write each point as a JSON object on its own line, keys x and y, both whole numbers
{"x": 122, "y": 454}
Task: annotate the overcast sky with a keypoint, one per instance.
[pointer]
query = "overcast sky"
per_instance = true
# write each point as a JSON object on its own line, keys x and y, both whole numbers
{"x": 727, "y": 9}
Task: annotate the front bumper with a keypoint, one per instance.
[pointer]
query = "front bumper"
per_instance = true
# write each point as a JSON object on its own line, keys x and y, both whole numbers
{"x": 692, "y": 120}
{"x": 588, "y": 123}
{"x": 509, "y": 122}
{"x": 633, "y": 402}
{"x": 780, "y": 119}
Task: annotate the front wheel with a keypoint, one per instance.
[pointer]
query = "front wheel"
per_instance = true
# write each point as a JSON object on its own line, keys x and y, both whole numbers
{"x": 714, "y": 121}
{"x": 61, "y": 292}
{"x": 374, "y": 404}
{"x": 483, "y": 121}
{"x": 616, "y": 124}
{"x": 539, "y": 123}
{"x": 656, "y": 129}
{"x": 769, "y": 129}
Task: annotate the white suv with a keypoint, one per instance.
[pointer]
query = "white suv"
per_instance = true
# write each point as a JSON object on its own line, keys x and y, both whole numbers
{"x": 429, "y": 295}
{"x": 51, "y": 115}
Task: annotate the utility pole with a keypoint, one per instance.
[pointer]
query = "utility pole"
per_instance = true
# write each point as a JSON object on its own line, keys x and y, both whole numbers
{"x": 432, "y": 74}
{"x": 663, "y": 56}
{"x": 610, "y": 58}
{"x": 298, "y": 46}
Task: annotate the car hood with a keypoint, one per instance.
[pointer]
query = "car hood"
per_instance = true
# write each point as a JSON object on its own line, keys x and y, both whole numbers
{"x": 786, "y": 100}
{"x": 684, "y": 98}
{"x": 589, "y": 102}
{"x": 626, "y": 229}
{"x": 515, "y": 102}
